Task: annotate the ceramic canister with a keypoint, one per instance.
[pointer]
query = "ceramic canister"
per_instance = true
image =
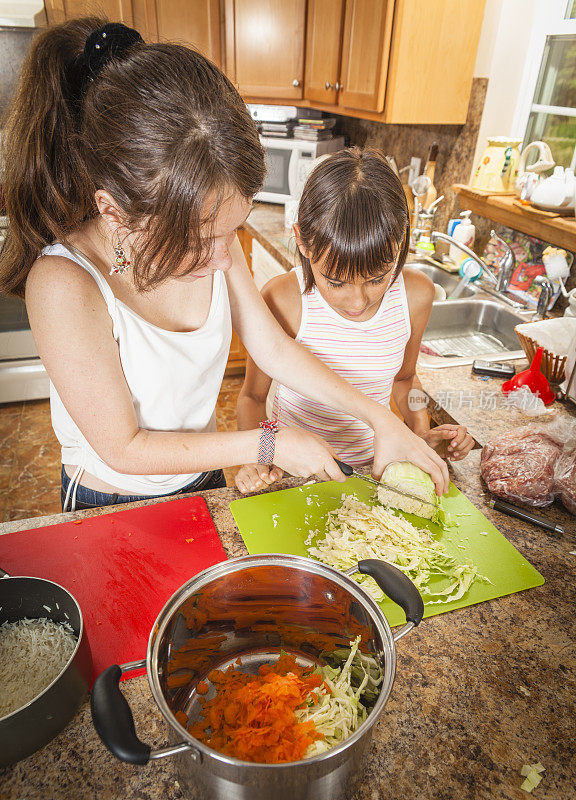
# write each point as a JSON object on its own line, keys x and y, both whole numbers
{"x": 498, "y": 167}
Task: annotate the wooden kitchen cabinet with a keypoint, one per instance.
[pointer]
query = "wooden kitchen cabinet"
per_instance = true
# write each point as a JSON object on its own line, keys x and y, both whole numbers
{"x": 324, "y": 25}
{"x": 404, "y": 61}
{"x": 392, "y": 61}
{"x": 365, "y": 51}
{"x": 116, "y": 10}
{"x": 191, "y": 22}
{"x": 347, "y": 48}
{"x": 265, "y": 47}
{"x": 432, "y": 58}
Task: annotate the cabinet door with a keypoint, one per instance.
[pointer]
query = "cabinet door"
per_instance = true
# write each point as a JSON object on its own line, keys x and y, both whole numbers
{"x": 193, "y": 22}
{"x": 116, "y": 10}
{"x": 365, "y": 49}
{"x": 267, "y": 51}
{"x": 323, "y": 49}
{"x": 432, "y": 60}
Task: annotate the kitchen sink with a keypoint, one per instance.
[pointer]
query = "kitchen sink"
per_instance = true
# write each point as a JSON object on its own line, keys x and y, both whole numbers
{"x": 462, "y": 330}
{"x": 442, "y": 278}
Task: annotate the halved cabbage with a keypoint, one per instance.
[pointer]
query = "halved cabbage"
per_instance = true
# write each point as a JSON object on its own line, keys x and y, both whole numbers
{"x": 409, "y": 478}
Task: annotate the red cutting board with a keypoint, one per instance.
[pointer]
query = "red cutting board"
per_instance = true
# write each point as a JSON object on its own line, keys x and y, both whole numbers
{"x": 121, "y": 568}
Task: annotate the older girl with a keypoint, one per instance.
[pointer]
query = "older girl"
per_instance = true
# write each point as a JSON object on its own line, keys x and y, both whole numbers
{"x": 129, "y": 168}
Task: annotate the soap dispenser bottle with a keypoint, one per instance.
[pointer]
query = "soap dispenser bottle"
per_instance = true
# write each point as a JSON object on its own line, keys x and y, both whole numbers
{"x": 465, "y": 233}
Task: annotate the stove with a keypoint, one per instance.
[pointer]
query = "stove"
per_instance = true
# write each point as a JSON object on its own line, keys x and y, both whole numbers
{"x": 22, "y": 374}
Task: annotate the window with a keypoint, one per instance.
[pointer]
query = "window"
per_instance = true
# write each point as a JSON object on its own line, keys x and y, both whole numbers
{"x": 550, "y": 114}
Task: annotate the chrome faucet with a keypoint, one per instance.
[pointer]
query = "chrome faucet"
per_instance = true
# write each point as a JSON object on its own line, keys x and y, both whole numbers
{"x": 546, "y": 292}
{"x": 501, "y": 282}
{"x": 461, "y": 246}
{"x": 506, "y": 265}
{"x": 499, "y": 285}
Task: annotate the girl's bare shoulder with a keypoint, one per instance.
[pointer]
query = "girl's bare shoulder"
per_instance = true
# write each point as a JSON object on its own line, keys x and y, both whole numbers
{"x": 419, "y": 289}
{"x": 283, "y": 298}
{"x": 56, "y": 284}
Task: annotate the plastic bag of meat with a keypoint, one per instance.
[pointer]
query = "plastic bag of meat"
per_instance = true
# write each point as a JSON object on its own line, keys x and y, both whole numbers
{"x": 519, "y": 465}
{"x": 565, "y": 479}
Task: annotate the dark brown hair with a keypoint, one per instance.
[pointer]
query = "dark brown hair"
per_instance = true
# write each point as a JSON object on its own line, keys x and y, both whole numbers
{"x": 353, "y": 213}
{"x": 160, "y": 128}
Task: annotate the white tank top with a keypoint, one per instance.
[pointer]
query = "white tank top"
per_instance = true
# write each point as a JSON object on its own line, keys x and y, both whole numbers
{"x": 368, "y": 354}
{"x": 174, "y": 378}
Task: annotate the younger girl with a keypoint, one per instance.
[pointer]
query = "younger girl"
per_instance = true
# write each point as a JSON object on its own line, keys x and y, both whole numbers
{"x": 353, "y": 305}
{"x": 129, "y": 168}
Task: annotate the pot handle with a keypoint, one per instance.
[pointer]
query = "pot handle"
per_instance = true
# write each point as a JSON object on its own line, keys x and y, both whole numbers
{"x": 114, "y": 722}
{"x": 399, "y": 589}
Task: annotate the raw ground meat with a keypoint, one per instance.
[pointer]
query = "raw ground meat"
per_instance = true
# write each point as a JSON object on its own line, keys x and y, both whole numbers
{"x": 566, "y": 480}
{"x": 519, "y": 465}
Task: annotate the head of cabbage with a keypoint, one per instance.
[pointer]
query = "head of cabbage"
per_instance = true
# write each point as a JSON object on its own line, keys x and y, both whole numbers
{"x": 407, "y": 477}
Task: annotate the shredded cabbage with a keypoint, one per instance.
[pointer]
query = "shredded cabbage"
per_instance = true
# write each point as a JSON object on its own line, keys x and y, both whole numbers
{"x": 356, "y": 531}
{"x": 336, "y": 707}
{"x": 532, "y": 774}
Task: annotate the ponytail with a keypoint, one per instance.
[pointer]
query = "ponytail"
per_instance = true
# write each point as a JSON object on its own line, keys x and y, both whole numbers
{"x": 47, "y": 189}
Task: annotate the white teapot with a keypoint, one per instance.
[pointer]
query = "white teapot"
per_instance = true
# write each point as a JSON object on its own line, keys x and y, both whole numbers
{"x": 556, "y": 193}
{"x": 529, "y": 177}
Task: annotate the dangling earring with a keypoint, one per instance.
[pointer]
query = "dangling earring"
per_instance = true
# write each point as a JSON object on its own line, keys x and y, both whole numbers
{"x": 121, "y": 263}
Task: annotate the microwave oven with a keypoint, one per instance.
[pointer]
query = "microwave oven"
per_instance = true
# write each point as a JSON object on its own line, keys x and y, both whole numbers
{"x": 288, "y": 164}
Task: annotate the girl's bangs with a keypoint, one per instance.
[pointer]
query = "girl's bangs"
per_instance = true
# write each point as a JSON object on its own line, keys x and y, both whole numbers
{"x": 361, "y": 244}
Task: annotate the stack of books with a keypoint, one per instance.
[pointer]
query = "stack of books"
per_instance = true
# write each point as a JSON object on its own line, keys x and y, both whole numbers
{"x": 314, "y": 130}
{"x": 277, "y": 130}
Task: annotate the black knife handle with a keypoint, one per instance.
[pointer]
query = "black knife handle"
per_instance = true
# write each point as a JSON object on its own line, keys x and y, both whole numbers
{"x": 527, "y": 516}
{"x": 346, "y": 468}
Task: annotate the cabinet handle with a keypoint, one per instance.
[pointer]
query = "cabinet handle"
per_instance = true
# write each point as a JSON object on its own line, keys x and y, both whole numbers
{"x": 339, "y": 86}
{"x": 295, "y": 82}
{"x": 328, "y": 86}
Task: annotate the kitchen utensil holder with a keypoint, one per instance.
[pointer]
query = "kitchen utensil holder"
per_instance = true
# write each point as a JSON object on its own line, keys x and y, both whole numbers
{"x": 422, "y": 224}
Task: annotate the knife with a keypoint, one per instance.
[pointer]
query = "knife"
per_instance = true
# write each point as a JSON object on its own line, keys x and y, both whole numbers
{"x": 348, "y": 470}
{"x": 520, "y": 513}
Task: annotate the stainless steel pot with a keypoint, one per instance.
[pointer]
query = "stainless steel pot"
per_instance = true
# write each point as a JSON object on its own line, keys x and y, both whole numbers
{"x": 253, "y": 607}
{"x": 31, "y": 727}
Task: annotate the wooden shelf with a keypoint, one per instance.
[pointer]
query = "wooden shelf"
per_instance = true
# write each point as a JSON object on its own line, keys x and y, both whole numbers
{"x": 506, "y": 210}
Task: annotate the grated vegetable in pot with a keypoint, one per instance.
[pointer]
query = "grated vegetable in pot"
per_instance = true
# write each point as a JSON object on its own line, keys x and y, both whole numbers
{"x": 287, "y": 712}
{"x": 33, "y": 652}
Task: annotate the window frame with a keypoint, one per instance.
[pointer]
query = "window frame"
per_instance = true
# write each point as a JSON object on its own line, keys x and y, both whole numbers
{"x": 549, "y": 21}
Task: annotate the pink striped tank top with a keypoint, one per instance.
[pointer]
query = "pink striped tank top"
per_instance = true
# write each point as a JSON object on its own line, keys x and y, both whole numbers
{"x": 368, "y": 354}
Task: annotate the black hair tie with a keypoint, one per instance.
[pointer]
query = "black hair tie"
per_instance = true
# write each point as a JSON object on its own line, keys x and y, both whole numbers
{"x": 107, "y": 43}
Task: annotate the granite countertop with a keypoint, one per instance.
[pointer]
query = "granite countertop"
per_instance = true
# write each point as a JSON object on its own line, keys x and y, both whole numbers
{"x": 458, "y": 722}
{"x": 478, "y": 692}
{"x": 266, "y": 224}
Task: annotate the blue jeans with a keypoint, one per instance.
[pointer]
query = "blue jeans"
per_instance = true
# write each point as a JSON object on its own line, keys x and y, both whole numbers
{"x": 89, "y": 498}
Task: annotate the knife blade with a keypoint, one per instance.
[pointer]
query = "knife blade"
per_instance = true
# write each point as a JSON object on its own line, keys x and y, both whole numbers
{"x": 349, "y": 470}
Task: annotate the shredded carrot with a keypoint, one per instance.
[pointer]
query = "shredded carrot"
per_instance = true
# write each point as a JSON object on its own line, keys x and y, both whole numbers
{"x": 202, "y": 687}
{"x": 252, "y": 716}
{"x": 182, "y": 718}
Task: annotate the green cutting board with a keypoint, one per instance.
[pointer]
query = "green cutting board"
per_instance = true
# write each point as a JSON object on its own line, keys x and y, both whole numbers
{"x": 279, "y": 522}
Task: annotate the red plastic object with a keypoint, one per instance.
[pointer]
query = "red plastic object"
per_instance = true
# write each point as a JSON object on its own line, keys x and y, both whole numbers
{"x": 533, "y": 379}
{"x": 121, "y": 568}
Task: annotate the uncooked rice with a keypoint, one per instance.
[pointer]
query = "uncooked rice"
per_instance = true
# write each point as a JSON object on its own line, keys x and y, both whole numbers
{"x": 33, "y": 652}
